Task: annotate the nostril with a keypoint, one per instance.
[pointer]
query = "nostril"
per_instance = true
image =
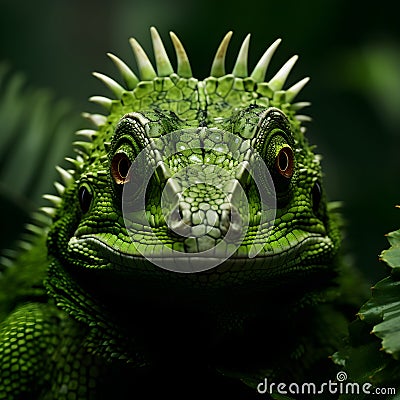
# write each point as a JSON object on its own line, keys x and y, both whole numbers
{"x": 179, "y": 221}
{"x": 177, "y": 213}
{"x": 184, "y": 215}
{"x": 225, "y": 220}
{"x": 231, "y": 223}
{"x": 235, "y": 216}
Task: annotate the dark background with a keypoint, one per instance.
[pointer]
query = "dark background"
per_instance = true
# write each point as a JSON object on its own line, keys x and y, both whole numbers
{"x": 351, "y": 50}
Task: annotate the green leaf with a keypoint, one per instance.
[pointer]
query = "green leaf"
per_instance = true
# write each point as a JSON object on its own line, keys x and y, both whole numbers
{"x": 389, "y": 329}
{"x": 392, "y": 256}
{"x": 385, "y": 299}
{"x": 373, "y": 350}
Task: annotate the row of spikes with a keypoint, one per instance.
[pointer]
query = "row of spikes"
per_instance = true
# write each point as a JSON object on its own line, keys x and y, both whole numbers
{"x": 164, "y": 67}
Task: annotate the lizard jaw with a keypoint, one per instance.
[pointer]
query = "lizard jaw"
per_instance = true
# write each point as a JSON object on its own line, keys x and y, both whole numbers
{"x": 272, "y": 261}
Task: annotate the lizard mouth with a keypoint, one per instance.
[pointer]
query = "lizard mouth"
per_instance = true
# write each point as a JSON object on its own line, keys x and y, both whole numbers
{"x": 278, "y": 257}
{"x": 305, "y": 263}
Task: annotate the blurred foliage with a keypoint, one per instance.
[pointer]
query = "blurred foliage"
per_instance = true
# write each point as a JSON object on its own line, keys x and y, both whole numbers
{"x": 350, "y": 49}
{"x": 36, "y": 134}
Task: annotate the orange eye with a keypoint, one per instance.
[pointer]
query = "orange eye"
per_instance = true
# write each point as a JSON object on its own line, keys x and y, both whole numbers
{"x": 120, "y": 168}
{"x": 284, "y": 162}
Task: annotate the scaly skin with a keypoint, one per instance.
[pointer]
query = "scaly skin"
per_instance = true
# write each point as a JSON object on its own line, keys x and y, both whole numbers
{"x": 108, "y": 319}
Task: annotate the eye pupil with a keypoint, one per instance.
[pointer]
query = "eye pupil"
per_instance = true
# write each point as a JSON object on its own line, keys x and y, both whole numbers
{"x": 316, "y": 195}
{"x": 85, "y": 199}
{"x": 285, "y": 162}
{"x": 120, "y": 168}
{"x": 123, "y": 167}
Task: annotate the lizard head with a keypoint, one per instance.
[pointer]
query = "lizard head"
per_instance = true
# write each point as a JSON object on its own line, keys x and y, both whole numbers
{"x": 200, "y": 183}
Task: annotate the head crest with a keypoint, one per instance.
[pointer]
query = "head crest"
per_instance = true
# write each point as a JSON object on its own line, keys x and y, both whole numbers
{"x": 271, "y": 89}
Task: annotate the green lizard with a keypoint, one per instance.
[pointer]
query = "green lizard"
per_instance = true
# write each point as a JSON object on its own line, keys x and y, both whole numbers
{"x": 191, "y": 248}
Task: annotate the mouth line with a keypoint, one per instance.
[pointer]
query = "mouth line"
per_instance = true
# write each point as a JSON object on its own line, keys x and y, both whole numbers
{"x": 115, "y": 254}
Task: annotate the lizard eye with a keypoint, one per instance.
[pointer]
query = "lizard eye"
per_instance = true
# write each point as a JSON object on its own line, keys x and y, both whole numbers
{"x": 316, "y": 195}
{"x": 284, "y": 162}
{"x": 85, "y": 199}
{"x": 282, "y": 168}
{"x": 120, "y": 165}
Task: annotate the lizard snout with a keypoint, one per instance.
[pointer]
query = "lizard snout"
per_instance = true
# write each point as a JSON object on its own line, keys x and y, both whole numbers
{"x": 201, "y": 216}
